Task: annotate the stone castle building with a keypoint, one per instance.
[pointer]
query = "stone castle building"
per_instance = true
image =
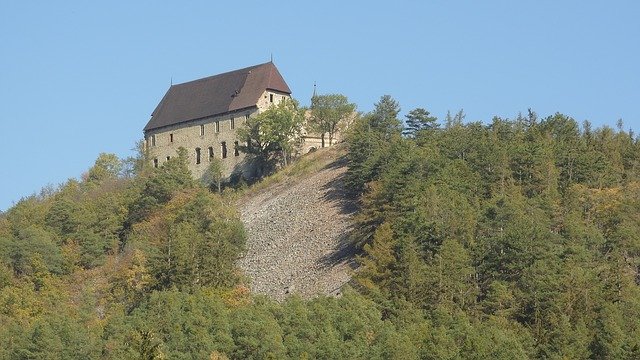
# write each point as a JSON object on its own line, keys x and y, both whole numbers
{"x": 203, "y": 115}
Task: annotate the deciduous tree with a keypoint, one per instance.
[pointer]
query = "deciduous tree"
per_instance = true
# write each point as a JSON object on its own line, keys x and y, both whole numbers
{"x": 328, "y": 113}
{"x": 272, "y": 135}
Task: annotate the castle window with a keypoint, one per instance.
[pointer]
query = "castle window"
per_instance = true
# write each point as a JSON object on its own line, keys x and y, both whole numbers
{"x": 217, "y": 126}
{"x": 155, "y": 162}
{"x": 270, "y": 98}
{"x": 197, "y": 155}
{"x": 202, "y": 130}
{"x": 246, "y": 117}
{"x": 170, "y": 137}
{"x": 168, "y": 158}
{"x": 153, "y": 140}
{"x": 236, "y": 151}
{"x": 224, "y": 149}
{"x": 233, "y": 123}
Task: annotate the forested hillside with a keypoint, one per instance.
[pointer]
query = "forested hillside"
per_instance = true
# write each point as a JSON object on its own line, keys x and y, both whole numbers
{"x": 527, "y": 228}
{"x": 510, "y": 239}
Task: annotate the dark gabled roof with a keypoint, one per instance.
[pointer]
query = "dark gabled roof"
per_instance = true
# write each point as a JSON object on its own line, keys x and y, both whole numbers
{"x": 218, "y": 94}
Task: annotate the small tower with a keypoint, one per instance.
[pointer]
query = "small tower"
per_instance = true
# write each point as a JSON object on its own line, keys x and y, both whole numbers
{"x": 314, "y": 94}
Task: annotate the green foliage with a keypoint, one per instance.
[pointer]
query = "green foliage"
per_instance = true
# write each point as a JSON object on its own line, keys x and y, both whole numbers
{"x": 139, "y": 163}
{"x": 371, "y": 139}
{"x": 192, "y": 242}
{"x": 131, "y": 282}
{"x": 272, "y": 135}
{"x": 417, "y": 121}
{"x": 181, "y": 326}
{"x": 31, "y": 250}
{"x": 213, "y": 175}
{"x": 329, "y": 113}
{"x": 451, "y": 275}
{"x": 512, "y": 240}
{"x": 159, "y": 187}
{"x": 377, "y": 263}
{"x": 63, "y": 216}
{"x": 107, "y": 166}
{"x": 256, "y": 333}
{"x": 521, "y": 225}
{"x": 384, "y": 117}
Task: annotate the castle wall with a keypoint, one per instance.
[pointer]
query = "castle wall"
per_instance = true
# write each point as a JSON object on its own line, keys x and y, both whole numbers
{"x": 314, "y": 142}
{"x": 163, "y": 143}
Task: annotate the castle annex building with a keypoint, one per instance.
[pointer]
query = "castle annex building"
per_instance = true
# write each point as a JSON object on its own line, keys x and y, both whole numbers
{"x": 202, "y": 116}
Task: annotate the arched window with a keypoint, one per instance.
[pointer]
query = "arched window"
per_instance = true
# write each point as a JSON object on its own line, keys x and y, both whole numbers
{"x": 197, "y": 155}
{"x": 210, "y": 153}
{"x": 224, "y": 149}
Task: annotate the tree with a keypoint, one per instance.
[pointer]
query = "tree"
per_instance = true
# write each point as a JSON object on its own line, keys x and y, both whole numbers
{"x": 455, "y": 120}
{"x": 136, "y": 165}
{"x": 272, "y": 134}
{"x": 181, "y": 325}
{"x": 193, "y": 242}
{"x": 63, "y": 216}
{"x": 385, "y": 115}
{"x": 371, "y": 139}
{"x": 31, "y": 249}
{"x": 107, "y": 166}
{"x": 377, "y": 262}
{"x": 159, "y": 187}
{"x": 130, "y": 281}
{"x": 417, "y": 120}
{"x": 452, "y": 275}
{"x": 328, "y": 112}
{"x": 213, "y": 175}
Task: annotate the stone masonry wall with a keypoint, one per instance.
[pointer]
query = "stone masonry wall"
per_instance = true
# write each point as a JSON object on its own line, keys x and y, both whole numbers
{"x": 217, "y": 130}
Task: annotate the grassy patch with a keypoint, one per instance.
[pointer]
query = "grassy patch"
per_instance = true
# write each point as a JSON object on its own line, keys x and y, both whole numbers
{"x": 303, "y": 166}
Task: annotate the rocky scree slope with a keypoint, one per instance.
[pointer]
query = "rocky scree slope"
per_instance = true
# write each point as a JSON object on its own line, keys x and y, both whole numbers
{"x": 297, "y": 230}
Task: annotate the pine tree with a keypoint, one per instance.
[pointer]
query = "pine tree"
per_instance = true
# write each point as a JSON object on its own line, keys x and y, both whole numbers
{"x": 418, "y": 120}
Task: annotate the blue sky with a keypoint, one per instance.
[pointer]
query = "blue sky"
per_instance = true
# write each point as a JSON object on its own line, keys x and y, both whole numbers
{"x": 78, "y": 78}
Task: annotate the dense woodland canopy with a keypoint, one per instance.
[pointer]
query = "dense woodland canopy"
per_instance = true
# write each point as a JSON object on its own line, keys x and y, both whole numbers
{"x": 516, "y": 238}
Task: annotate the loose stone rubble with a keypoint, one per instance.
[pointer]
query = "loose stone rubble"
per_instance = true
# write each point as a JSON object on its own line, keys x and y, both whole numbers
{"x": 297, "y": 236}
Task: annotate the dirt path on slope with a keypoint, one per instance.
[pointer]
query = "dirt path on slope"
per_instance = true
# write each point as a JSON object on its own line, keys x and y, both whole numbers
{"x": 297, "y": 235}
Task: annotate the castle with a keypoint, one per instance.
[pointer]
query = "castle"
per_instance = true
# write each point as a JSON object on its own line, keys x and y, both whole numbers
{"x": 203, "y": 115}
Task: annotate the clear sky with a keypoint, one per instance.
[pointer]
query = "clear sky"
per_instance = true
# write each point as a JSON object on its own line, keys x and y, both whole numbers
{"x": 78, "y": 78}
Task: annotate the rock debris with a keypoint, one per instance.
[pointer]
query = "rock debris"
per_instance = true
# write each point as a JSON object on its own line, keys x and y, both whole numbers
{"x": 297, "y": 236}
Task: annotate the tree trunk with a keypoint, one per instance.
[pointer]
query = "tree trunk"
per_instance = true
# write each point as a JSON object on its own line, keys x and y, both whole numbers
{"x": 322, "y": 138}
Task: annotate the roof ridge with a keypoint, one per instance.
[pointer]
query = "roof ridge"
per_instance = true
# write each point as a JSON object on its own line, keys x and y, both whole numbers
{"x": 217, "y": 94}
{"x": 248, "y": 68}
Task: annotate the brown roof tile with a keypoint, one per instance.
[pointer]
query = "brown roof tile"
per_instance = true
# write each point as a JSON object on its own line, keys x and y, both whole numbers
{"x": 214, "y": 95}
